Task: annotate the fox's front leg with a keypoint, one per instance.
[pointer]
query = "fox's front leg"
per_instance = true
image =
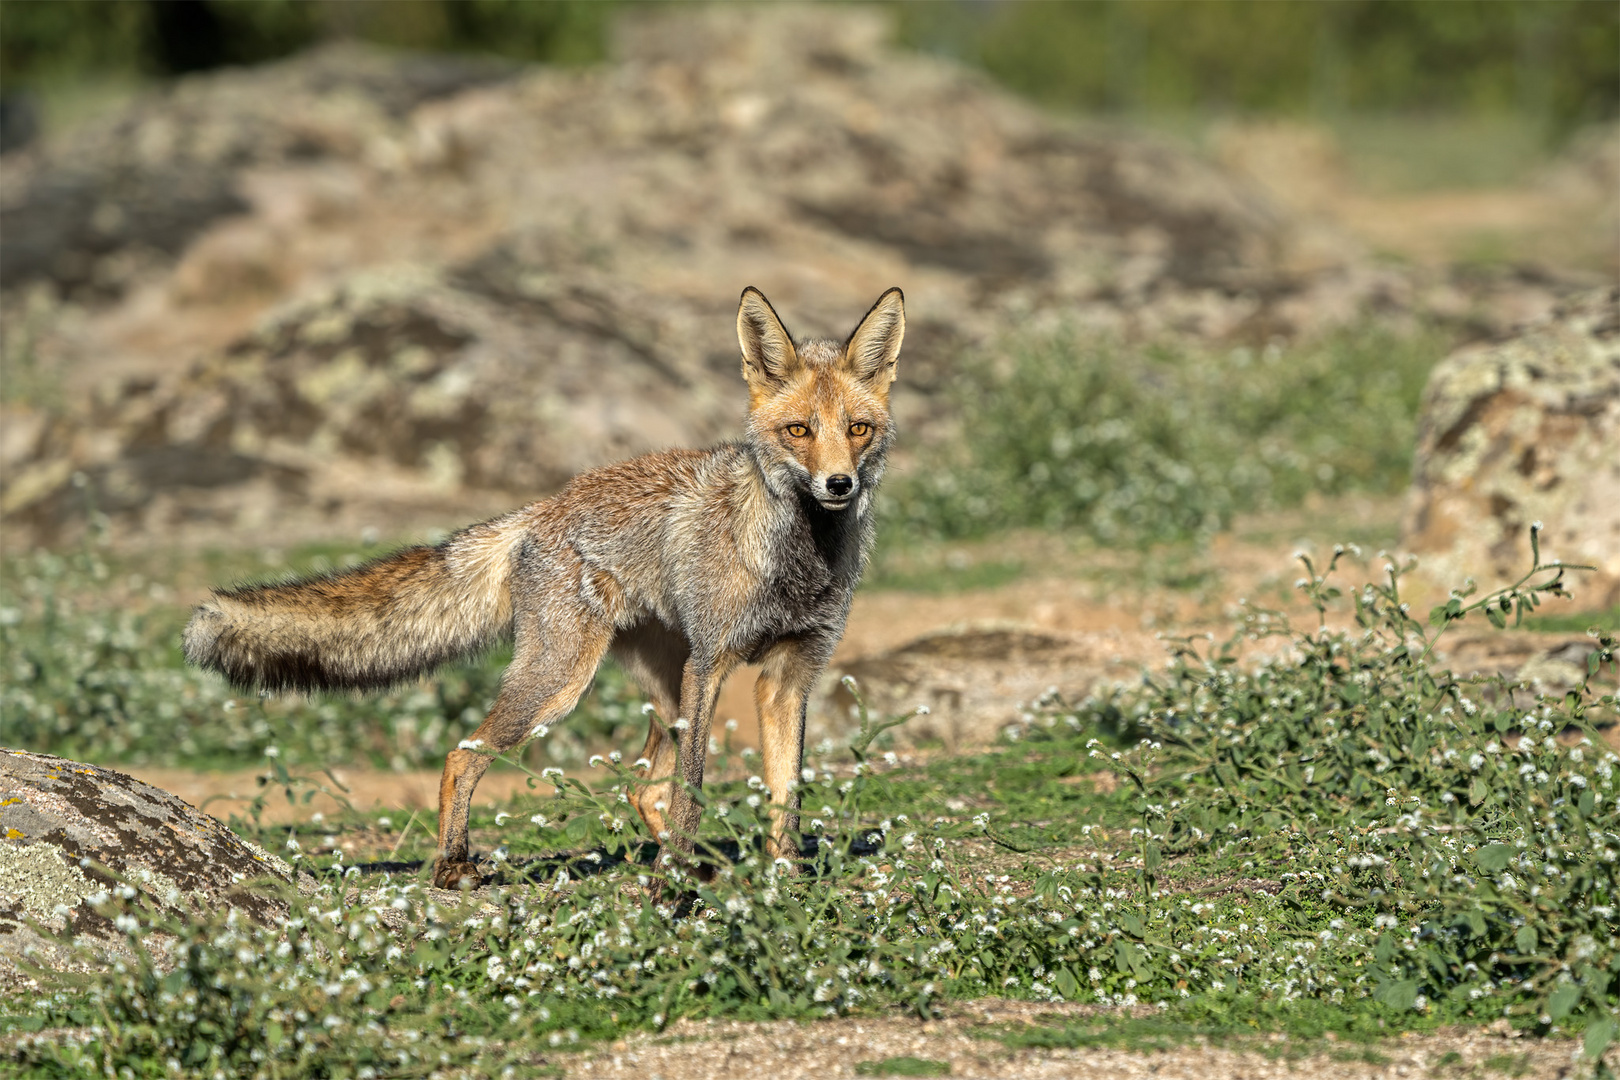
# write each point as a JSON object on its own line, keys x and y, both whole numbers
{"x": 782, "y": 695}
{"x": 700, "y": 690}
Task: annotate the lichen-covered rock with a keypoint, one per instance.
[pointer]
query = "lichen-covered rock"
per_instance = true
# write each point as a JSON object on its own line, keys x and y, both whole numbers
{"x": 121, "y": 195}
{"x": 65, "y": 825}
{"x": 1518, "y": 431}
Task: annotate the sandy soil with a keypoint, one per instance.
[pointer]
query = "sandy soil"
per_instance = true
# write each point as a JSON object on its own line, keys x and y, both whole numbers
{"x": 698, "y": 1050}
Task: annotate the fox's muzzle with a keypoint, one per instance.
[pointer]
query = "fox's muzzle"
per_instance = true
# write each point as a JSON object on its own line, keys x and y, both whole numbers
{"x": 835, "y": 491}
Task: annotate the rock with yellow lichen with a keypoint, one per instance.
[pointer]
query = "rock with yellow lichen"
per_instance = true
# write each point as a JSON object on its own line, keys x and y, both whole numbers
{"x": 70, "y": 831}
{"x": 1523, "y": 430}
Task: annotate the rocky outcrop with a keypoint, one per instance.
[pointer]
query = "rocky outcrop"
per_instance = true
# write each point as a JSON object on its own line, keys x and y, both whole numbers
{"x": 366, "y": 289}
{"x": 129, "y": 193}
{"x": 70, "y": 831}
{"x": 1523, "y": 430}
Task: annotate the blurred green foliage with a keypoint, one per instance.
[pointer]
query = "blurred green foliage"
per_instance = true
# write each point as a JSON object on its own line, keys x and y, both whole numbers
{"x": 1555, "y": 60}
{"x": 1167, "y": 442}
{"x": 92, "y": 39}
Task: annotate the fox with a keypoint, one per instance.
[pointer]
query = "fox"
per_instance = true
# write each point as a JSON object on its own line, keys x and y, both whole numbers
{"x": 682, "y": 564}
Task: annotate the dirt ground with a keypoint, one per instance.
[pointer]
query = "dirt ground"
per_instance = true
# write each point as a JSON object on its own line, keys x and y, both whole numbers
{"x": 784, "y": 1050}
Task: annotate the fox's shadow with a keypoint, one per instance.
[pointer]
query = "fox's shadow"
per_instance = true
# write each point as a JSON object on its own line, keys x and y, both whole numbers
{"x": 586, "y": 863}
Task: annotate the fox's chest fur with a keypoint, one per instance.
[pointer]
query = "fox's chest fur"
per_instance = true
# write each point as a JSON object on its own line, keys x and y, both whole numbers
{"x": 726, "y": 561}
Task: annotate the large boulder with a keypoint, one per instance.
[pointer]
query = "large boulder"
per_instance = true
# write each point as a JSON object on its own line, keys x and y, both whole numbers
{"x": 1523, "y": 430}
{"x": 101, "y": 208}
{"x": 70, "y": 831}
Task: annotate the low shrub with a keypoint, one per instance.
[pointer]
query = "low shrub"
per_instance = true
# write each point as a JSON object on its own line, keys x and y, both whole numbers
{"x": 1164, "y": 442}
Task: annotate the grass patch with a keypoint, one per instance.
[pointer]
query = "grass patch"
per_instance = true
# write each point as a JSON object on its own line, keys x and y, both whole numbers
{"x": 1218, "y": 1020}
{"x": 1508, "y": 1064}
{"x": 946, "y": 571}
{"x": 1166, "y": 443}
{"x": 903, "y": 1066}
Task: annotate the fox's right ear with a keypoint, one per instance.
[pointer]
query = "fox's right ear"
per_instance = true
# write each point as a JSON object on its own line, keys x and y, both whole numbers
{"x": 767, "y": 349}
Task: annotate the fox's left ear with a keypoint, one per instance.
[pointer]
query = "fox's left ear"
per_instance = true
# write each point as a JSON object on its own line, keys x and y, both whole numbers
{"x": 874, "y": 348}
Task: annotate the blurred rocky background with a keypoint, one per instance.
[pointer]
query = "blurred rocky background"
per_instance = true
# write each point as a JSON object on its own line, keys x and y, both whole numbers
{"x": 363, "y": 288}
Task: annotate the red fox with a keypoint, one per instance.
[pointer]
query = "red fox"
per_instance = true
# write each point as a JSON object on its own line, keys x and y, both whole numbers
{"x": 683, "y": 564}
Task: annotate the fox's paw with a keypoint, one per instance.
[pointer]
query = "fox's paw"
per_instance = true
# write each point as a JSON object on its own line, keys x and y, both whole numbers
{"x": 456, "y": 875}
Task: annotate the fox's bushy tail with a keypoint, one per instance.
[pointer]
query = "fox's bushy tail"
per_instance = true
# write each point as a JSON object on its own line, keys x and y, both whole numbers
{"x": 368, "y": 627}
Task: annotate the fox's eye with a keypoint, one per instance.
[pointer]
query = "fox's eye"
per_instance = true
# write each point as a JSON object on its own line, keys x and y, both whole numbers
{"x": 859, "y": 429}
{"x": 798, "y": 431}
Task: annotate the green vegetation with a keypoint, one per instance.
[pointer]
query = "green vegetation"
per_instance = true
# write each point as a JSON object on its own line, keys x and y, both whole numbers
{"x": 1167, "y": 443}
{"x": 1346, "y": 838}
{"x": 1552, "y": 62}
{"x": 903, "y": 1066}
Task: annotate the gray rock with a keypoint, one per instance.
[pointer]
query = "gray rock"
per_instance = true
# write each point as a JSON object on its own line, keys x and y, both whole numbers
{"x": 69, "y": 831}
{"x": 1522, "y": 430}
{"x": 151, "y": 177}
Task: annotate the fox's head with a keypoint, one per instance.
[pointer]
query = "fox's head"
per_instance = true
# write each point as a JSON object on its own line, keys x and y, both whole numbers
{"x": 818, "y": 411}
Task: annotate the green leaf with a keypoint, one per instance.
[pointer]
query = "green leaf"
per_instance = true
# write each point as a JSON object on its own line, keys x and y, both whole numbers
{"x": 1493, "y": 857}
{"x": 577, "y": 828}
{"x": 1563, "y": 1000}
{"x": 1152, "y": 857}
{"x": 1599, "y": 1034}
{"x": 1478, "y": 791}
{"x": 1397, "y": 994}
{"x": 1131, "y": 923}
{"x": 1525, "y": 939}
{"x": 1066, "y": 983}
{"x": 1122, "y": 957}
{"x": 1498, "y": 620}
{"x": 1586, "y": 803}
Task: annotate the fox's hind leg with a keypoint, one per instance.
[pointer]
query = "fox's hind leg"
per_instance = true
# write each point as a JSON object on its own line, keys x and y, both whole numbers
{"x": 654, "y": 656}
{"x": 558, "y": 641}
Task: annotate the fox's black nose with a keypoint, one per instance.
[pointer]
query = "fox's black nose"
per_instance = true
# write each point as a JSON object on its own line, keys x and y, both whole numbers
{"x": 840, "y": 485}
